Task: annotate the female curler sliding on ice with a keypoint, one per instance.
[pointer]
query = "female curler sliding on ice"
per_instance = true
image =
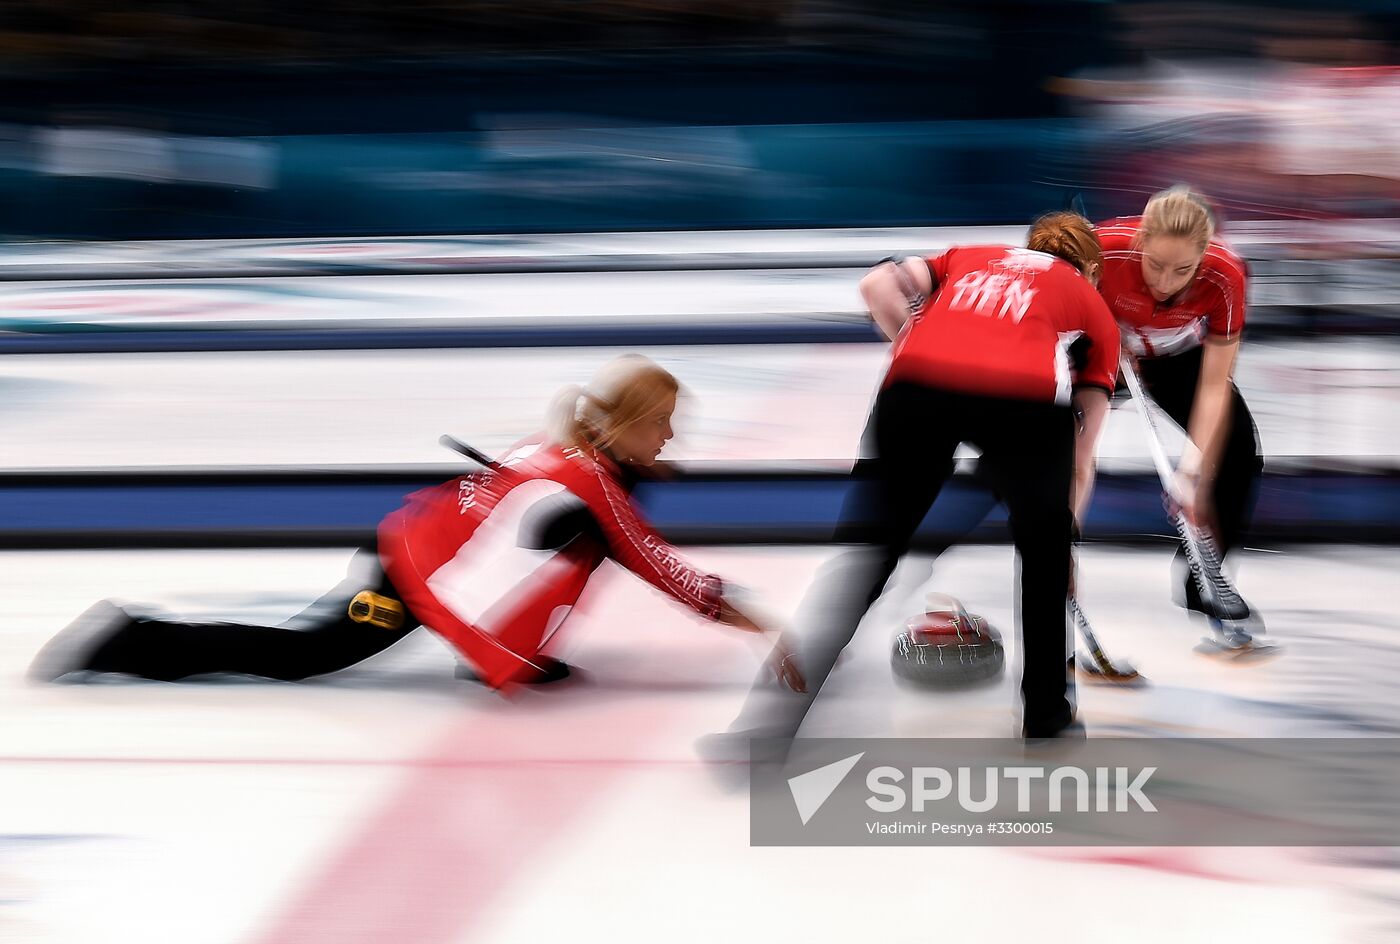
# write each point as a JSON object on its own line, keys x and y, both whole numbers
{"x": 490, "y": 561}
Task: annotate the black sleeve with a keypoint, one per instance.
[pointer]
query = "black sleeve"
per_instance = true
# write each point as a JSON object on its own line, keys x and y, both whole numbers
{"x": 1079, "y": 362}
{"x": 555, "y": 522}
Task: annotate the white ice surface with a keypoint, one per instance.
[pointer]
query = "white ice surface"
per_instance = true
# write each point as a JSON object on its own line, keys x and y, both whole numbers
{"x": 392, "y": 802}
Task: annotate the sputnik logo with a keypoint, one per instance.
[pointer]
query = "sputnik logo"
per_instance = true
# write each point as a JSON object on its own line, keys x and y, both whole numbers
{"x": 812, "y": 789}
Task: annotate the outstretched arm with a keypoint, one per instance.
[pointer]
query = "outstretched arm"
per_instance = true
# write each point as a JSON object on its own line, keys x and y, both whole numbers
{"x": 780, "y": 659}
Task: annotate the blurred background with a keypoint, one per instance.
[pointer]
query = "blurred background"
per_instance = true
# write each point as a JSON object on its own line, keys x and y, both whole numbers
{"x": 191, "y": 120}
{"x": 255, "y": 258}
{"x": 482, "y": 177}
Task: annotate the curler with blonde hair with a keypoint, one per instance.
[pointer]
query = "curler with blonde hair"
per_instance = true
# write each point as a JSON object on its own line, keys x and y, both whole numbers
{"x": 623, "y": 392}
{"x": 1067, "y": 236}
{"x": 1180, "y": 212}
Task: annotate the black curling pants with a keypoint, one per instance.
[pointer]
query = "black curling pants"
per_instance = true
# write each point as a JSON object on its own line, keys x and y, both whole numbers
{"x": 1171, "y": 382}
{"x": 1028, "y": 457}
{"x": 319, "y": 640}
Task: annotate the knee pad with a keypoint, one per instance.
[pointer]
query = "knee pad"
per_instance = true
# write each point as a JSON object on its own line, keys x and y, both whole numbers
{"x": 376, "y": 609}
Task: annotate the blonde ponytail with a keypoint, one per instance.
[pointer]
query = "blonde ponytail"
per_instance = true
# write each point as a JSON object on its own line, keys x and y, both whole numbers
{"x": 623, "y": 392}
{"x": 564, "y": 420}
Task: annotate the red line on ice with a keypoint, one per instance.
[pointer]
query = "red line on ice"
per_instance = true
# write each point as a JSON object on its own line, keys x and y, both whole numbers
{"x": 454, "y": 837}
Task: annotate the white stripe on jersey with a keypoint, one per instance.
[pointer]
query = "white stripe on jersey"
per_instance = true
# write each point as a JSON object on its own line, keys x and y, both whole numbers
{"x": 1222, "y": 253}
{"x": 1120, "y": 230}
{"x": 1223, "y": 284}
{"x": 1157, "y": 342}
{"x": 1064, "y": 377}
{"x": 490, "y": 578}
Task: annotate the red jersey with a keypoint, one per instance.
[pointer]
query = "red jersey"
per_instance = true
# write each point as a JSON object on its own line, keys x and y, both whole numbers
{"x": 1213, "y": 303}
{"x": 1000, "y": 322}
{"x": 460, "y": 557}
